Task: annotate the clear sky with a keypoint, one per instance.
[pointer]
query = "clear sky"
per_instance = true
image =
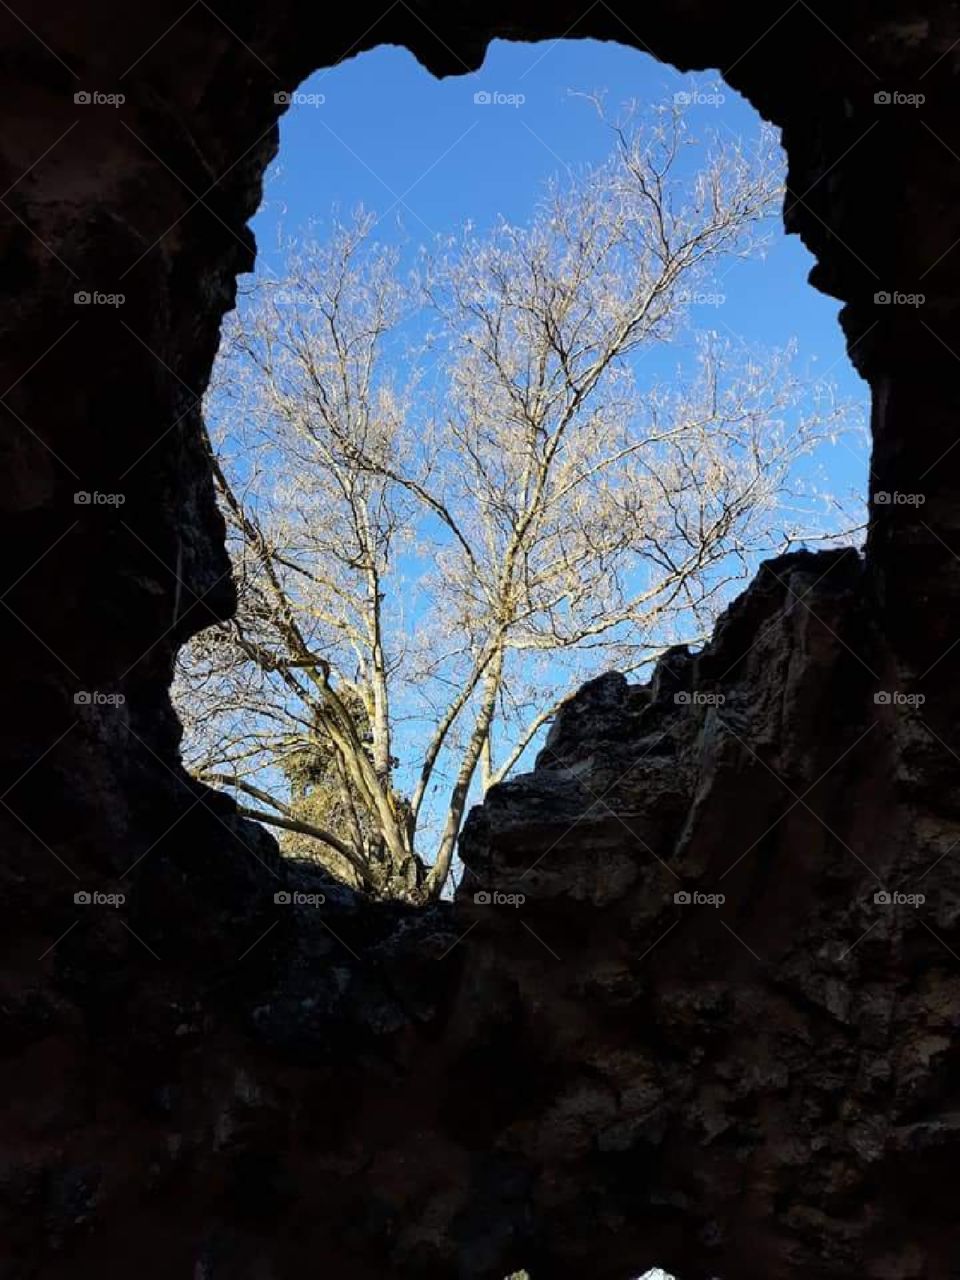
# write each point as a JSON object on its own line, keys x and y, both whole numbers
{"x": 428, "y": 157}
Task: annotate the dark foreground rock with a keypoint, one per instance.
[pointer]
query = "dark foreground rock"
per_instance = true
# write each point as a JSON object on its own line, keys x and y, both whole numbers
{"x": 202, "y": 1081}
{"x": 671, "y": 1017}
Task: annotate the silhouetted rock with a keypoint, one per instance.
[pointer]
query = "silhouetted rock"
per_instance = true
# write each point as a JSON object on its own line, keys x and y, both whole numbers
{"x": 205, "y": 1081}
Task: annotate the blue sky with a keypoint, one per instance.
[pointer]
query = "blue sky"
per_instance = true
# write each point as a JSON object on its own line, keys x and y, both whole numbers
{"x": 427, "y": 157}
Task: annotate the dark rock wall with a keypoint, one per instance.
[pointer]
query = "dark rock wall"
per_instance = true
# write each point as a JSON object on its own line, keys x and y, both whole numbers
{"x": 203, "y": 1083}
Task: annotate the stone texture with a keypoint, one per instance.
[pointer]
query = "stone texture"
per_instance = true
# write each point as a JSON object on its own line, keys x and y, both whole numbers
{"x": 209, "y": 1084}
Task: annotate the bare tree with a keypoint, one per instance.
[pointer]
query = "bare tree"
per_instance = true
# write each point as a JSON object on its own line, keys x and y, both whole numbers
{"x": 450, "y": 498}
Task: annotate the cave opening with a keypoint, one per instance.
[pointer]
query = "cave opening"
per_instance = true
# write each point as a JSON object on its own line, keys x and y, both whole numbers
{"x": 424, "y": 158}
{"x": 381, "y": 172}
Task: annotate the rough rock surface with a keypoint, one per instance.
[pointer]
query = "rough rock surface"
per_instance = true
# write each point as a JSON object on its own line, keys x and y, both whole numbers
{"x": 205, "y": 1083}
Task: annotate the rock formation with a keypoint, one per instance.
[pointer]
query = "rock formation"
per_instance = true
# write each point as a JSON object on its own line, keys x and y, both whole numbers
{"x": 204, "y": 1082}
